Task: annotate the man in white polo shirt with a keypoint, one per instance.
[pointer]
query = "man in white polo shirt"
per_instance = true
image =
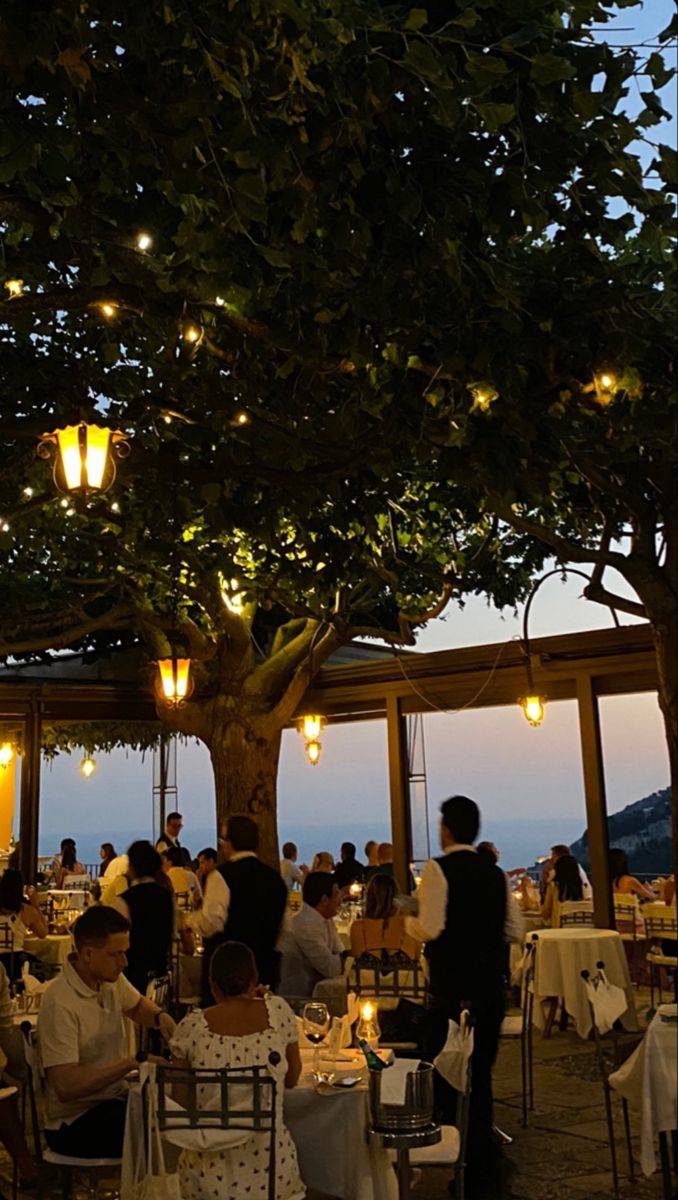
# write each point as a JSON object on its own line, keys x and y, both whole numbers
{"x": 83, "y": 1040}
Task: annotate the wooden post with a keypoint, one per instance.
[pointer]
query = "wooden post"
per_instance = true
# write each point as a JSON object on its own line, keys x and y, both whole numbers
{"x": 399, "y": 793}
{"x": 596, "y": 804}
{"x": 30, "y": 791}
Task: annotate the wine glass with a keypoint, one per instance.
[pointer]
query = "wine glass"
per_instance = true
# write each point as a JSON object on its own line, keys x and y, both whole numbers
{"x": 316, "y": 1019}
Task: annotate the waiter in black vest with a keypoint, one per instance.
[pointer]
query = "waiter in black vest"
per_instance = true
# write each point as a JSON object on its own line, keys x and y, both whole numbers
{"x": 466, "y": 915}
{"x": 257, "y": 897}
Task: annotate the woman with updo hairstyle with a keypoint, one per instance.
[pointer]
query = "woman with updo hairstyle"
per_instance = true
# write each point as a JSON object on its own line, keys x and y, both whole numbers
{"x": 246, "y": 1027}
{"x": 381, "y": 932}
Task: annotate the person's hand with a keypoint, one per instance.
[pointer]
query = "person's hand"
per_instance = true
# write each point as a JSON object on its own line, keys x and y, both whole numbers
{"x": 166, "y": 1026}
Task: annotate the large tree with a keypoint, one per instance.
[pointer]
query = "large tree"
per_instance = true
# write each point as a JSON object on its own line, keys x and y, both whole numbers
{"x": 358, "y": 219}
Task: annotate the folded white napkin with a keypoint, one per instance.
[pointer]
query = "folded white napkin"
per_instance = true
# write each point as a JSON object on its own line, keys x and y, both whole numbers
{"x": 393, "y": 1082}
{"x": 32, "y": 986}
{"x": 453, "y": 1060}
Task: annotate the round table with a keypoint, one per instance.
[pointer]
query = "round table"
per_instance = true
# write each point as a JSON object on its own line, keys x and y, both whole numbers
{"x": 52, "y": 950}
{"x": 561, "y": 956}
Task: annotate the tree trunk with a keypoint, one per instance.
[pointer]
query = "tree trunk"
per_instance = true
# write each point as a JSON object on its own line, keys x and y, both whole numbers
{"x": 666, "y": 647}
{"x": 245, "y": 763}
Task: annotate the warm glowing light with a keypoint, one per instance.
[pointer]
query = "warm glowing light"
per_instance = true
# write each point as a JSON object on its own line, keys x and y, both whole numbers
{"x": 144, "y": 241}
{"x": 220, "y": 301}
{"x": 607, "y": 381}
{"x": 484, "y": 396}
{"x": 88, "y": 767}
{"x": 174, "y": 679}
{"x": 4, "y": 526}
{"x": 6, "y": 754}
{"x": 313, "y": 752}
{"x": 232, "y": 596}
{"x": 109, "y": 310}
{"x": 191, "y": 333}
{"x": 533, "y": 707}
{"x": 605, "y": 386}
{"x": 355, "y": 889}
{"x": 28, "y": 491}
{"x": 311, "y": 725}
{"x": 242, "y": 418}
{"x": 84, "y": 460}
{"x": 15, "y": 287}
{"x": 367, "y": 1029}
{"x": 115, "y": 507}
{"x": 367, "y": 1010}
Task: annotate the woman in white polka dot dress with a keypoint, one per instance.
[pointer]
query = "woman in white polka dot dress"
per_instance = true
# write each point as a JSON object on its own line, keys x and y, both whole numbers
{"x": 242, "y": 1030}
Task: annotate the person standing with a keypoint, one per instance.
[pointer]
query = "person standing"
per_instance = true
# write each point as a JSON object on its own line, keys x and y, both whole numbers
{"x": 173, "y": 827}
{"x": 349, "y": 870}
{"x": 149, "y": 909}
{"x": 465, "y": 918}
{"x": 257, "y": 897}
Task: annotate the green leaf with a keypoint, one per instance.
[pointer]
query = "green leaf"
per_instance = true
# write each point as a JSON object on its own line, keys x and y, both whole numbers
{"x": 551, "y": 68}
{"x": 496, "y": 115}
{"x": 418, "y": 17}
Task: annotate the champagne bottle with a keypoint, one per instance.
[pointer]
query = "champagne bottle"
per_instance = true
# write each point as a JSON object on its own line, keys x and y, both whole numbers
{"x": 374, "y": 1062}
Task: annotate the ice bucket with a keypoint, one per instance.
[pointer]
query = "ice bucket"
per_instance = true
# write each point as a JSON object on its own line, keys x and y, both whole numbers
{"x": 415, "y": 1113}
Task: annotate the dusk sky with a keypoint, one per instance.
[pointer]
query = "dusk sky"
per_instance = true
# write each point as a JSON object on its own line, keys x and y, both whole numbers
{"x": 514, "y": 771}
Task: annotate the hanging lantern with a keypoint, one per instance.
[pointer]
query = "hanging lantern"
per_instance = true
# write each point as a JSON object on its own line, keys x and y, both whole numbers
{"x": 84, "y": 461}
{"x": 176, "y": 684}
{"x": 87, "y": 767}
{"x": 6, "y": 754}
{"x": 533, "y": 707}
{"x": 313, "y": 752}
{"x": 311, "y": 726}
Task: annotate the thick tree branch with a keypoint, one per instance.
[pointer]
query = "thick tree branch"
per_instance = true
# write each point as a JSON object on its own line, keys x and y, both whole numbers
{"x": 600, "y": 595}
{"x": 566, "y": 548}
{"x": 319, "y": 652}
{"x": 272, "y": 676}
{"x": 120, "y": 617}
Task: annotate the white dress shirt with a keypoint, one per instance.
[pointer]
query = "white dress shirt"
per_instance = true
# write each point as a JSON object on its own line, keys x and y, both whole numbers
{"x": 290, "y": 872}
{"x": 211, "y": 918}
{"x": 432, "y": 895}
{"x": 311, "y": 951}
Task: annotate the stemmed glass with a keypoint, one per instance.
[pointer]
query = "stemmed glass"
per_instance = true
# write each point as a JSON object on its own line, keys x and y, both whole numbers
{"x": 316, "y": 1020}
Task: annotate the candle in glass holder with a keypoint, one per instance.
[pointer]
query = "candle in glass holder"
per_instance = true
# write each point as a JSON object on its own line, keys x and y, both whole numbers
{"x": 368, "y": 1025}
{"x": 355, "y": 891}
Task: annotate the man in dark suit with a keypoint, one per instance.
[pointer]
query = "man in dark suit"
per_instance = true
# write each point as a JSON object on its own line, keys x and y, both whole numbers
{"x": 257, "y": 897}
{"x": 466, "y": 915}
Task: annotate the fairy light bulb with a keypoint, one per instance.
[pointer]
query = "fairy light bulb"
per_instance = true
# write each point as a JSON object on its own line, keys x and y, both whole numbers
{"x": 15, "y": 287}
{"x": 313, "y": 752}
{"x": 144, "y": 241}
{"x": 87, "y": 767}
{"x": 191, "y": 333}
{"x": 108, "y": 310}
{"x": 242, "y": 418}
{"x": 533, "y": 708}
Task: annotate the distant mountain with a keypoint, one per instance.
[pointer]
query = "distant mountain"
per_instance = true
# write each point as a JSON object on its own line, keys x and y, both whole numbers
{"x": 643, "y": 830}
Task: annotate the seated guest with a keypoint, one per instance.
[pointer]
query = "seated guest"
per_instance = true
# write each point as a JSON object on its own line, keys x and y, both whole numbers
{"x": 53, "y": 871}
{"x": 115, "y": 867}
{"x": 565, "y": 885}
{"x": 291, "y": 873}
{"x": 69, "y": 864}
{"x": 372, "y": 859}
{"x": 241, "y": 1028}
{"x": 623, "y": 881}
{"x": 83, "y": 1041}
{"x": 107, "y": 855}
{"x": 19, "y": 917}
{"x": 384, "y": 859}
{"x": 323, "y": 861}
{"x": 349, "y": 870}
{"x": 310, "y": 945}
{"x": 381, "y": 932}
{"x": 548, "y": 869}
{"x": 148, "y": 907}
{"x": 257, "y": 898}
{"x": 670, "y": 890}
{"x": 12, "y": 1072}
{"x": 184, "y": 881}
{"x": 210, "y": 918}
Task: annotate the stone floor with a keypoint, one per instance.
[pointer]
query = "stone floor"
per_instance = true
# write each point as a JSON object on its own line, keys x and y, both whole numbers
{"x": 564, "y": 1152}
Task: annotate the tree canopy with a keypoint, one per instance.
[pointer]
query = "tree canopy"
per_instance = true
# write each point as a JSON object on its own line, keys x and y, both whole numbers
{"x": 351, "y": 275}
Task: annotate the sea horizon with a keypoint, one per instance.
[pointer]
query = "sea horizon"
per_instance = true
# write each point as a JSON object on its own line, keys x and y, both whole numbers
{"x": 519, "y": 841}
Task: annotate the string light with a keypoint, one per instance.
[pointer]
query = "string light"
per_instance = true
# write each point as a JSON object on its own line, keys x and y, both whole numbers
{"x": 220, "y": 301}
{"x": 232, "y": 595}
{"x": 15, "y": 287}
{"x": 484, "y": 396}
{"x": 242, "y": 418}
{"x": 70, "y": 512}
{"x": 313, "y": 752}
{"x": 109, "y": 310}
{"x": 115, "y": 507}
{"x": 4, "y": 525}
{"x": 191, "y": 333}
{"x": 6, "y": 754}
{"x": 28, "y": 491}
{"x": 311, "y": 726}
{"x": 144, "y": 241}
{"x": 87, "y": 767}
{"x": 605, "y": 387}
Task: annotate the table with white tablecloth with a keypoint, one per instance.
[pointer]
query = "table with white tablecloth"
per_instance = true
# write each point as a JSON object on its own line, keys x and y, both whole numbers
{"x": 52, "y": 950}
{"x": 561, "y": 956}
{"x": 649, "y": 1081}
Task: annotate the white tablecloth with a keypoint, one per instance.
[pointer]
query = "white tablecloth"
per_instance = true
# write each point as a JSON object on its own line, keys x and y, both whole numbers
{"x": 649, "y": 1081}
{"x": 329, "y": 1133}
{"x": 561, "y": 956}
{"x": 52, "y": 950}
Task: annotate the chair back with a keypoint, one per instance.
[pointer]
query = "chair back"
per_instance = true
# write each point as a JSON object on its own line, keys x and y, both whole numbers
{"x": 232, "y": 1099}
{"x": 77, "y": 883}
{"x": 184, "y": 901}
{"x": 388, "y": 978}
{"x": 576, "y": 912}
{"x": 6, "y": 935}
{"x": 627, "y": 919}
{"x": 660, "y": 922}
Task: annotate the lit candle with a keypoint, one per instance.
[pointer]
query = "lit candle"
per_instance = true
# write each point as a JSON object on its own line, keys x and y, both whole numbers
{"x": 355, "y": 889}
